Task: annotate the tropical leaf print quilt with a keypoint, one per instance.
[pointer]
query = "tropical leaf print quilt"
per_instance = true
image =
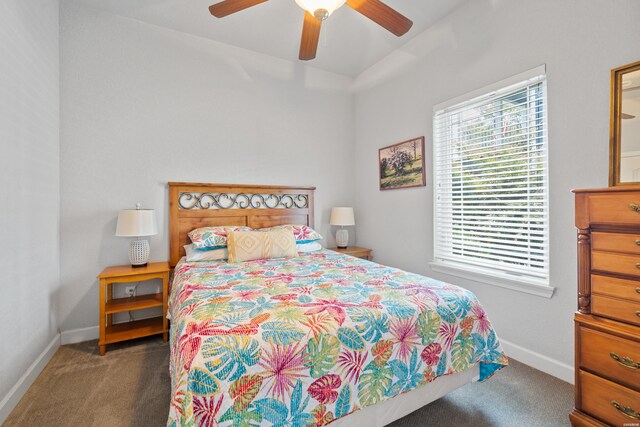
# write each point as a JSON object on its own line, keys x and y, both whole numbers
{"x": 304, "y": 341}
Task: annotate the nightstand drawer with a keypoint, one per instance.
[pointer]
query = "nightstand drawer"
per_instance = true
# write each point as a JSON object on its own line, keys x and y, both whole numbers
{"x": 616, "y": 242}
{"x": 610, "y": 356}
{"x": 615, "y": 208}
{"x": 614, "y": 308}
{"x": 614, "y": 287}
{"x": 612, "y": 403}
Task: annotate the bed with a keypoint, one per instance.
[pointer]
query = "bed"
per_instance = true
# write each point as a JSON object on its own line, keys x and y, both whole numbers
{"x": 322, "y": 338}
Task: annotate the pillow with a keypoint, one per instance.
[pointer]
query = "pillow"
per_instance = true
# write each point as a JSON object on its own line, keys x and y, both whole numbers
{"x": 303, "y": 233}
{"x": 194, "y": 254}
{"x": 206, "y": 238}
{"x": 251, "y": 245}
{"x": 308, "y": 247}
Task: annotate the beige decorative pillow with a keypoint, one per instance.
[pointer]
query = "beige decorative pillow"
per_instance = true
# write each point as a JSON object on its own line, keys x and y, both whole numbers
{"x": 250, "y": 245}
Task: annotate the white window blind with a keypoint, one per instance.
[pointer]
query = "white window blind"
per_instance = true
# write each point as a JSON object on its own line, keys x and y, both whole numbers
{"x": 491, "y": 182}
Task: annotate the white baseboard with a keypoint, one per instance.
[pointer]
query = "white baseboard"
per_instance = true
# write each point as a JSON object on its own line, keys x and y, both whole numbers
{"x": 538, "y": 361}
{"x": 14, "y": 395}
{"x": 74, "y": 336}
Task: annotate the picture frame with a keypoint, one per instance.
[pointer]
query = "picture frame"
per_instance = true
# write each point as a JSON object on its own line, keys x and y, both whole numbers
{"x": 401, "y": 165}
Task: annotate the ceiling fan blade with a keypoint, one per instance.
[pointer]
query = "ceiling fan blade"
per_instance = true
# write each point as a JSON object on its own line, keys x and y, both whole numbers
{"x": 228, "y": 7}
{"x": 627, "y": 116}
{"x": 310, "y": 37}
{"x": 382, "y": 15}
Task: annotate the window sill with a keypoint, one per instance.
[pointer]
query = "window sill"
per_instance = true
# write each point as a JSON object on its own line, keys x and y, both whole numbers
{"x": 491, "y": 277}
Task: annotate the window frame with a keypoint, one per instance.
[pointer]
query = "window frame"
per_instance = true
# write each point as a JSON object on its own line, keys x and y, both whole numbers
{"x": 536, "y": 286}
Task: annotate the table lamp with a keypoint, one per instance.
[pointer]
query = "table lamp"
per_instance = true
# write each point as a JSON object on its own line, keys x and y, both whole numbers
{"x": 342, "y": 217}
{"x": 137, "y": 223}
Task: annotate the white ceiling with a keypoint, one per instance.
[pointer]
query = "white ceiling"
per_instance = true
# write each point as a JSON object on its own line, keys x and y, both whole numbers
{"x": 349, "y": 42}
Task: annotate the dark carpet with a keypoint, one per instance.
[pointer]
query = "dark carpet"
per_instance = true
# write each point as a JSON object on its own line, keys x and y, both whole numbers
{"x": 129, "y": 386}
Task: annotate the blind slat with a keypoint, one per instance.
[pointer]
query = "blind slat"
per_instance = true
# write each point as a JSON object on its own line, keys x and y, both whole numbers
{"x": 494, "y": 198}
{"x": 481, "y": 221}
{"x": 485, "y": 245}
{"x": 488, "y": 191}
{"x": 486, "y": 135}
{"x": 480, "y": 143}
{"x": 509, "y": 235}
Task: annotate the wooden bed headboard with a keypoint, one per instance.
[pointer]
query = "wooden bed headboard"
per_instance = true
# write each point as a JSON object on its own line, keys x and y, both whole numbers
{"x": 193, "y": 205}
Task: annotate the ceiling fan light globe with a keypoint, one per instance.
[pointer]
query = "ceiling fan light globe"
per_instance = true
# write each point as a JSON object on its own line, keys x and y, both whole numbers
{"x": 321, "y": 9}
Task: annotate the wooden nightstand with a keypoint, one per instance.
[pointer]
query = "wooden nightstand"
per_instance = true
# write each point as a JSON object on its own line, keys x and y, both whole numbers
{"x": 111, "y": 333}
{"x": 364, "y": 253}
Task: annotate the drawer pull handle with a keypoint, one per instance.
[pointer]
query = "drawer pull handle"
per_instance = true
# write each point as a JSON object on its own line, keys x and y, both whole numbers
{"x": 625, "y": 361}
{"x": 626, "y": 410}
{"x": 634, "y": 207}
{"x": 638, "y": 313}
{"x": 638, "y": 290}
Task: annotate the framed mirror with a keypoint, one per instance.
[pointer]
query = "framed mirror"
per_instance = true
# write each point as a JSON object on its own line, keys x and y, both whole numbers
{"x": 624, "y": 158}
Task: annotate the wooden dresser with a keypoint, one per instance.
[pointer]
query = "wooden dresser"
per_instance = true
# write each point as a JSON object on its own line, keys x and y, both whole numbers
{"x": 607, "y": 325}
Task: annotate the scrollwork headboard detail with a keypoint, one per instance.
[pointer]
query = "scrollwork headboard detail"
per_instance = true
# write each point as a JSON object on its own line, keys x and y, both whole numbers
{"x": 191, "y": 201}
{"x": 193, "y": 205}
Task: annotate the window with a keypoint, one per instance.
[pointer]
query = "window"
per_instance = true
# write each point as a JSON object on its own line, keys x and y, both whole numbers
{"x": 491, "y": 184}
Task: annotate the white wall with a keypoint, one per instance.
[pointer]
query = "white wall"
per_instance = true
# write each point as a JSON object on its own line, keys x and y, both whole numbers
{"x": 142, "y": 105}
{"x": 481, "y": 43}
{"x": 30, "y": 190}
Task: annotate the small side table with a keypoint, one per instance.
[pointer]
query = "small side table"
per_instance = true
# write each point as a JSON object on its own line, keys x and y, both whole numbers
{"x": 364, "y": 253}
{"x": 111, "y": 333}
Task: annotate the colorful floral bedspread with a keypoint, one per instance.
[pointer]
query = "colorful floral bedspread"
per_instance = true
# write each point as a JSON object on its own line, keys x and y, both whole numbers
{"x": 311, "y": 339}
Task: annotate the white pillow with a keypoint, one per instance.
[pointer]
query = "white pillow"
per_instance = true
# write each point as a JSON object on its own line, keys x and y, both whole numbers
{"x": 199, "y": 255}
{"x": 308, "y": 247}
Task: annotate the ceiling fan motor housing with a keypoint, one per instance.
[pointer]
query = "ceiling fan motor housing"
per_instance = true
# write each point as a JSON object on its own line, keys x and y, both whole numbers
{"x": 321, "y": 14}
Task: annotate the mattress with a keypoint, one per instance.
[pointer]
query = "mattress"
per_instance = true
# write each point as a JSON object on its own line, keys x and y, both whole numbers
{"x": 314, "y": 339}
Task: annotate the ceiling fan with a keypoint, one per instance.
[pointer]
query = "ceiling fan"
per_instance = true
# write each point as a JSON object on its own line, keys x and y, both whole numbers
{"x": 319, "y": 10}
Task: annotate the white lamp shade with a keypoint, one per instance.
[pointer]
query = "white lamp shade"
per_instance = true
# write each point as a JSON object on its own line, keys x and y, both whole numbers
{"x": 342, "y": 216}
{"x": 136, "y": 223}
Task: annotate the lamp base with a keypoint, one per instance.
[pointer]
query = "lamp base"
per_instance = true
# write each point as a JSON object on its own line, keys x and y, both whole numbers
{"x": 342, "y": 238}
{"x": 139, "y": 253}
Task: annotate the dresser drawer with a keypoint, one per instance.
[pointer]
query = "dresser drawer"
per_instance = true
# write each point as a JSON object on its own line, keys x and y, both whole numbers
{"x": 614, "y": 287}
{"x": 600, "y": 397}
{"x": 614, "y": 208}
{"x": 614, "y": 308}
{"x": 611, "y": 262}
{"x": 611, "y": 356}
{"x": 616, "y": 242}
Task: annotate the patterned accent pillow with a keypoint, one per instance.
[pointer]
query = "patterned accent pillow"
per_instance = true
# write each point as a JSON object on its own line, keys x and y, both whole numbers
{"x": 207, "y": 238}
{"x": 251, "y": 245}
{"x": 302, "y": 233}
